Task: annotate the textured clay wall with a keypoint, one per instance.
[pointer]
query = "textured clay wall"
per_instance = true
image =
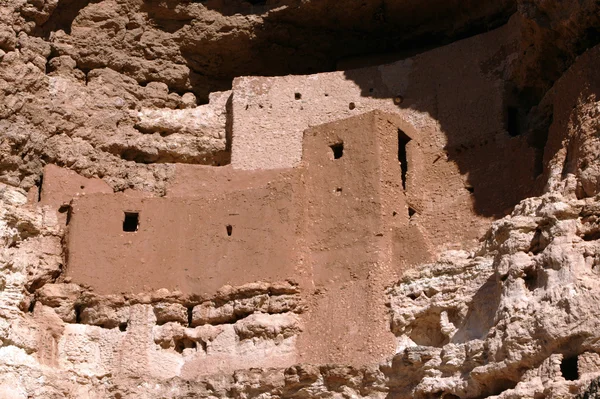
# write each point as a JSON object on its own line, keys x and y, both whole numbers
{"x": 195, "y": 245}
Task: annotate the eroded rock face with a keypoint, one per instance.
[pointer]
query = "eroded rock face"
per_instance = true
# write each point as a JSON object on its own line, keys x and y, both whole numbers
{"x": 121, "y": 91}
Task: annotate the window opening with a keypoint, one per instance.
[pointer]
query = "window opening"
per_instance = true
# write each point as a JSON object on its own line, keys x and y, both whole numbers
{"x": 568, "y": 368}
{"x": 338, "y": 150}
{"x": 403, "y": 140}
{"x": 131, "y": 221}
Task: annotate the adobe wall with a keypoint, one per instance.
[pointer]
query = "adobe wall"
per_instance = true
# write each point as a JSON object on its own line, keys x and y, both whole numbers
{"x": 183, "y": 243}
{"x": 343, "y": 225}
{"x": 352, "y": 182}
{"x": 455, "y": 97}
{"x": 325, "y": 225}
{"x": 270, "y": 113}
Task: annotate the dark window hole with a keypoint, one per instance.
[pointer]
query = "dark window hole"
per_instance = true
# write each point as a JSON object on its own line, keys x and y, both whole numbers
{"x": 184, "y": 343}
{"x": 229, "y": 229}
{"x": 298, "y": 96}
{"x": 78, "y": 309}
{"x": 190, "y": 313}
{"x": 568, "y": 368}
{"x": 123, "y": 327}
{"x": 592, "y": 236}
{"x": 512, "y": 123}
{"x": 403, "y": 140}
{"x": 470, "y": 189}
{"x": 411, "y": 212}
{"x": 31, "y": 306}
{"x": 131, "y": 221}
{"x": 394, "y": 213}
{"x": 39, "y": 185}
{"x": 413, "y": 296}
{"x": 338, "y": 150}
{"x": 351, "y": 106}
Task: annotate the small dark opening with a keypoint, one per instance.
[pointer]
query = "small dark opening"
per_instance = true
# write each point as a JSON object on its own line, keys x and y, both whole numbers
{"x": 568, "y": 368}
{"x": 470, "y": 189}
{"x": 190, "y": 313}
{"x": 512, "y": 122}
{"x": 184, "y": 343}
{"x": 123, "y": 327}
{"x": 39, "y": 186}
{"x": 338, "y": 150}
{"x": 31, "y": 306}
{"x": 78, "y": 309}
{"x": 131, "y": 221}
{"x": 351, "y": 106}
{"x": 530, "y": 279}
{"x": 411, "y": 212}
{"x": 298, "y": 96}
{"x": 413, "y": 296}
{"x": 403, "y": 140}
{"x": 229, "y": 230}
{"x": 592, "y": 236}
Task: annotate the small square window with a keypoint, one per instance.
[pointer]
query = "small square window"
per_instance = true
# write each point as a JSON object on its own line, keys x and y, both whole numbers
{"x": 338, "y": 150}
{"x": 131, "y": 221}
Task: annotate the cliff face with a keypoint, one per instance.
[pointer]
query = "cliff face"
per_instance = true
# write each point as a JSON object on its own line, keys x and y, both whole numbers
{"x": 425, "y": 228}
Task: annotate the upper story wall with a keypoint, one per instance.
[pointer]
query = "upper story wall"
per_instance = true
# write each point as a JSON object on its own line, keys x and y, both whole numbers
{"x": 456, "y": 97}
{"x": 456, "y": 83}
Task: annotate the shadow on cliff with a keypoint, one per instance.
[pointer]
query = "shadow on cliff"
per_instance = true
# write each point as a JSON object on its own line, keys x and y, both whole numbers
{"x": 62, "y": 17}
{"x": 283, "y": 37}
{"x": 299, "y": 38}
{"x": 502, "y": 161}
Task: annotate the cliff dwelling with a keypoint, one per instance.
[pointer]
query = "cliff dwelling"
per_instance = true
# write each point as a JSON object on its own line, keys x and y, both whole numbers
{"x": 281, "y": 199}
